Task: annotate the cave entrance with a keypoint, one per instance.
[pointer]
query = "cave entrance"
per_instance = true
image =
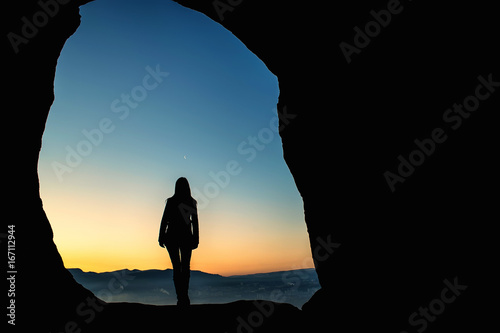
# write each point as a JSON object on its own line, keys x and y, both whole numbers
{"x": 148, "y": 92}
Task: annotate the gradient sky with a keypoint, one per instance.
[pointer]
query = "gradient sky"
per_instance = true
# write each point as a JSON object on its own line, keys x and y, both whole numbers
{"x": 118, "y": 137}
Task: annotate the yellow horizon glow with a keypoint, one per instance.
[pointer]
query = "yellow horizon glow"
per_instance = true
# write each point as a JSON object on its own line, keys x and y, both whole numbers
{"x": 101, "y": 233}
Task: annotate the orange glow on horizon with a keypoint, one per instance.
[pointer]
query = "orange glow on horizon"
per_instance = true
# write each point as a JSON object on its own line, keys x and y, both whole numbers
{"x": 121, "y": 233}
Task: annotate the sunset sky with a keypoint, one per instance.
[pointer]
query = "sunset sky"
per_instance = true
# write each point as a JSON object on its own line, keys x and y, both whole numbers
{"x": 146, "y": 92}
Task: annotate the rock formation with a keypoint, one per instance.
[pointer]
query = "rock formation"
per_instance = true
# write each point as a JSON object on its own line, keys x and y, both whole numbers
{"x": 385, "y": 116}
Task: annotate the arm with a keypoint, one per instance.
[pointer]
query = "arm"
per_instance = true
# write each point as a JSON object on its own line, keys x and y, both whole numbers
{"x": 163, "y": 227}
{"x": 196, "y": 227}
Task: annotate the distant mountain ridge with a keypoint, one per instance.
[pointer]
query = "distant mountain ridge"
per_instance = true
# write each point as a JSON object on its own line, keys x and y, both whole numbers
{"x": 156, "y": 286}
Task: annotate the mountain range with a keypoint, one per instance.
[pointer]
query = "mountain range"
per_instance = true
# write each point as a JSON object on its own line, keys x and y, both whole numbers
{"x": 156, "y": 286}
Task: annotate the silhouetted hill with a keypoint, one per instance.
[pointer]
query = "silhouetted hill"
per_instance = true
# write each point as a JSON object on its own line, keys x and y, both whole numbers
{"x": 156, "y": 286}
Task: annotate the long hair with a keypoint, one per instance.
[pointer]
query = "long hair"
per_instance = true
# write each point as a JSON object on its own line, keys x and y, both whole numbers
{"x": 182, "y": 189}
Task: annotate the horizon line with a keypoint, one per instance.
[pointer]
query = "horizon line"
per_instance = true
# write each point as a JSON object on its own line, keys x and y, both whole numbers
{"x": 193, "y": 270}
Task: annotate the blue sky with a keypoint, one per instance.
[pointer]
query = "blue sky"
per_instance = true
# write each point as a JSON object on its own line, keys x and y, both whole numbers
{"x": 216, "y": 99}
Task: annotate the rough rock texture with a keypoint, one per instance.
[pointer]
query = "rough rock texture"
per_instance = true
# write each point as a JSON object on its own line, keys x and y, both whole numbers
{"x": 343, "y": 125}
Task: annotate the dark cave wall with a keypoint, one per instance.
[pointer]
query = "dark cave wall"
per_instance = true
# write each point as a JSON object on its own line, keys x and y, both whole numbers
{"x": 46, "y": 291}
{"x": 379, "y": 255}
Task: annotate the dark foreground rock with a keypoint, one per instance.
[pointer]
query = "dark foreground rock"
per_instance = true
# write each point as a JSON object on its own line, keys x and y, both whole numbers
{"x": 242, "y": 316}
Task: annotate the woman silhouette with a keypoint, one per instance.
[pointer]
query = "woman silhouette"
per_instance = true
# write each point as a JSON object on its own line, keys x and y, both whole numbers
{"x": 179, "y": 233}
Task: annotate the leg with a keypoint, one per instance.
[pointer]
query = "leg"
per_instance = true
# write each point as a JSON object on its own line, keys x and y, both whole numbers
{"x": 185, "y": 273}
{"x": 186, "y": 259}
{"x": 175, "y": 258}
{"x": 174, "y": 252}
